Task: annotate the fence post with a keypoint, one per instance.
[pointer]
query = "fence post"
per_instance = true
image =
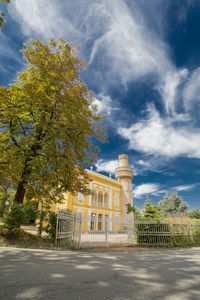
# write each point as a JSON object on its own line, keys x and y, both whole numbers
{"x": 80, "y": 231}
{"x": 56, "y": 237}
{"x": 107, "y": 234}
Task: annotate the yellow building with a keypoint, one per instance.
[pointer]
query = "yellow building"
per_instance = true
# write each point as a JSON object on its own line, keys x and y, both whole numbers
{"x": 107, "y": 198}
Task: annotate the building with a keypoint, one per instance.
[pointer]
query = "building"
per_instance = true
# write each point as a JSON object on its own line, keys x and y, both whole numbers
{"x": 107, "y": 198}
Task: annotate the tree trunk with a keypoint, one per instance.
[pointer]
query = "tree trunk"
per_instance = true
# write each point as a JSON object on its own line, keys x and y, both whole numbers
{"x": 20, "y": 193}
{"x": 21, "y": 190}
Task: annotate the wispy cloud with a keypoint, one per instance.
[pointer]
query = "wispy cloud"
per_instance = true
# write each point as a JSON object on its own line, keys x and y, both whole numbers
{"x": 156, "y": 189}
{"x": 145, "y": 189}
{"x": 181, "y": 188}
{"x": 129, "y": 47}
{"x": 191, "y": 91}
{"x": 108, "y": 166}
{"x": 104, "y": 104}
{"x": 43, "y": 18}
{"x": 157, "y": 136}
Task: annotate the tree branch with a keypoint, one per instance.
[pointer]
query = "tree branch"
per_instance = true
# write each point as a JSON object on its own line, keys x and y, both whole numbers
{"x": 24, "y": 132}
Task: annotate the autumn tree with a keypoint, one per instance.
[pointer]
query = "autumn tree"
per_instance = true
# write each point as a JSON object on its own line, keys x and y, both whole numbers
{"x": 48, "y": 124}
{"x": 172, "y": 205}
{"x": 2, "y": 20}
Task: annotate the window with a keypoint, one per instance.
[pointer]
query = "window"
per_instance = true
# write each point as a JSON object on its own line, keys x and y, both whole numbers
{"x": 116, "y": 201}
{"x": 106, "y": 200}
{"x": 94, "y": 197}
{"x": 100, "y": 199}
{"x": 80, "y": 198}
{"x": 92, "y": 221}
{"x": 79, "y": 215}
{"x": 116, "y": 221}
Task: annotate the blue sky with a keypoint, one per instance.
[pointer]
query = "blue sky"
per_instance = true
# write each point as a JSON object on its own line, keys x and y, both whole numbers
{"x": 143, "y": 61}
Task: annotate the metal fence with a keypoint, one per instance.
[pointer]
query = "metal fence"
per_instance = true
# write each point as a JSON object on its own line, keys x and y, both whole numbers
{"x": 106, "y": 232}
{"x": 167, "y": 231}
{"x": 64, "y": 229}
{"x": 81, "y": 232}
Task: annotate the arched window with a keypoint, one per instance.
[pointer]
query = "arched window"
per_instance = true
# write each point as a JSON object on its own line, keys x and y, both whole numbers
{"x": 106, "y": 200}
{"x": 116, "y": 201}
{"x": 94, "y": 197}
{"x": 100, "y": 199}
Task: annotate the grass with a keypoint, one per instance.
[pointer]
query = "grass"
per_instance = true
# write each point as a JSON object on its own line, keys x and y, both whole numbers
{"x": 25, "y": 240}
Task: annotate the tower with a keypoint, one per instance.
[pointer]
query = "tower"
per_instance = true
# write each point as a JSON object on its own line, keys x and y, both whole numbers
{"x": 124, "y": 174}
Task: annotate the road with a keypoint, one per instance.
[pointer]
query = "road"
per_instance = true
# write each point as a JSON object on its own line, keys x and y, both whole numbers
{"x": 42, "y": 274}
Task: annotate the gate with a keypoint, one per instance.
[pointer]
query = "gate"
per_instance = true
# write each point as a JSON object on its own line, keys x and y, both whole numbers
{"x": 64, "y": 229}
{"x": 103, "y": 232}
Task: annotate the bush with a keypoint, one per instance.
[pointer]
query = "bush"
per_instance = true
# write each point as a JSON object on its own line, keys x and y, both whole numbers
{"x": 50, "y": 228}
{"x": 31, "y": 212}
{"x": 14, "y": 217}
{"x": 19, "y": 214}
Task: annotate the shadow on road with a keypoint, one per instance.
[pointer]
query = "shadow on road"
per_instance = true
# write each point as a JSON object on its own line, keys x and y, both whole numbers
{"x": 37, "y": 274}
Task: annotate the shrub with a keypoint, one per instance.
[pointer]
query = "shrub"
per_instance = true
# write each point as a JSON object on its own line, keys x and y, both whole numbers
{"x": 50, "y": 228}
{"x": 31, "y": 212}
{"x": 14, "y": 217}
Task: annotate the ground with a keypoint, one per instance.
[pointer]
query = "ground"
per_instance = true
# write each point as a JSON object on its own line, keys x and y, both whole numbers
{"x": 26, "y": 240}
{"x": 43, "y": 274}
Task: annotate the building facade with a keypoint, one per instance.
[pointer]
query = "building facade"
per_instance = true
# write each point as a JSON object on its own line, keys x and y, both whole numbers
{"x": 107, "y": 198}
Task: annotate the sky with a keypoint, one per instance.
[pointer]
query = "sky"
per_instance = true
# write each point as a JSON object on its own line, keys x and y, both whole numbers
{"x": 143, "y": 60}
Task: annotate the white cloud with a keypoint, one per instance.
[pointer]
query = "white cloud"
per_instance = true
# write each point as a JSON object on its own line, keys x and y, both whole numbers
{"x": 43, "y": 17}
{"x": 155, "y": 189}
{"x": 191, "y": 91}
{"x": 130, "y": 49}
{"x": 157, "y": 136}
{"x": 168, "y": 87}
{"x": 104, "y": 104}
{"x": 108, "y": 166}
{"x": 181, "y": 188}
{"x": 145, "y": 189}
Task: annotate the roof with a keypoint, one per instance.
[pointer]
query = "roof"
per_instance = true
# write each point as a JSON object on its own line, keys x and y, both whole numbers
{"x": 103, "y": 177}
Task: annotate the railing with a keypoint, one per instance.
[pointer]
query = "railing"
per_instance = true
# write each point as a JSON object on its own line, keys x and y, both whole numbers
{"x": 167, "y": 231}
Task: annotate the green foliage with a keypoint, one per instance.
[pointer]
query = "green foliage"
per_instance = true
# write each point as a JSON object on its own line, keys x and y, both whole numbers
{"x": 133, "y": 209}
{"x": 195, "y": 213}
{"x": 2, "y": 203}
{"x": 14, "y": 217}
{"x": 42, "y": 215}
{"x": 31, "y": 212}
{"x": 150, "y": 211}
{"x": 47, "y": 124}
{"x": 18, "y": 214}
{"x": 6, "y": 193}
{"x": 172, "y": 205}
{"x": 2, "y": 20}
{"x": 50, "y": 228}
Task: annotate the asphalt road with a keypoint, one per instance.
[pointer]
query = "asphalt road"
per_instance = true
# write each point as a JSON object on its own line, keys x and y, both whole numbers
{"x": 41, "y": 274}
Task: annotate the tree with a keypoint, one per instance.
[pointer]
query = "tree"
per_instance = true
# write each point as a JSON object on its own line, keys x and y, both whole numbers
{"x": 172, "y": 205}
{"x": 6, "y": 193}
{"x": 195, "y": 213}
{"x": 48, "y": 124}
{"x": 150, "y": 211}
{"x": 2, "y": 20}
{"x": 133, "y": 209}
